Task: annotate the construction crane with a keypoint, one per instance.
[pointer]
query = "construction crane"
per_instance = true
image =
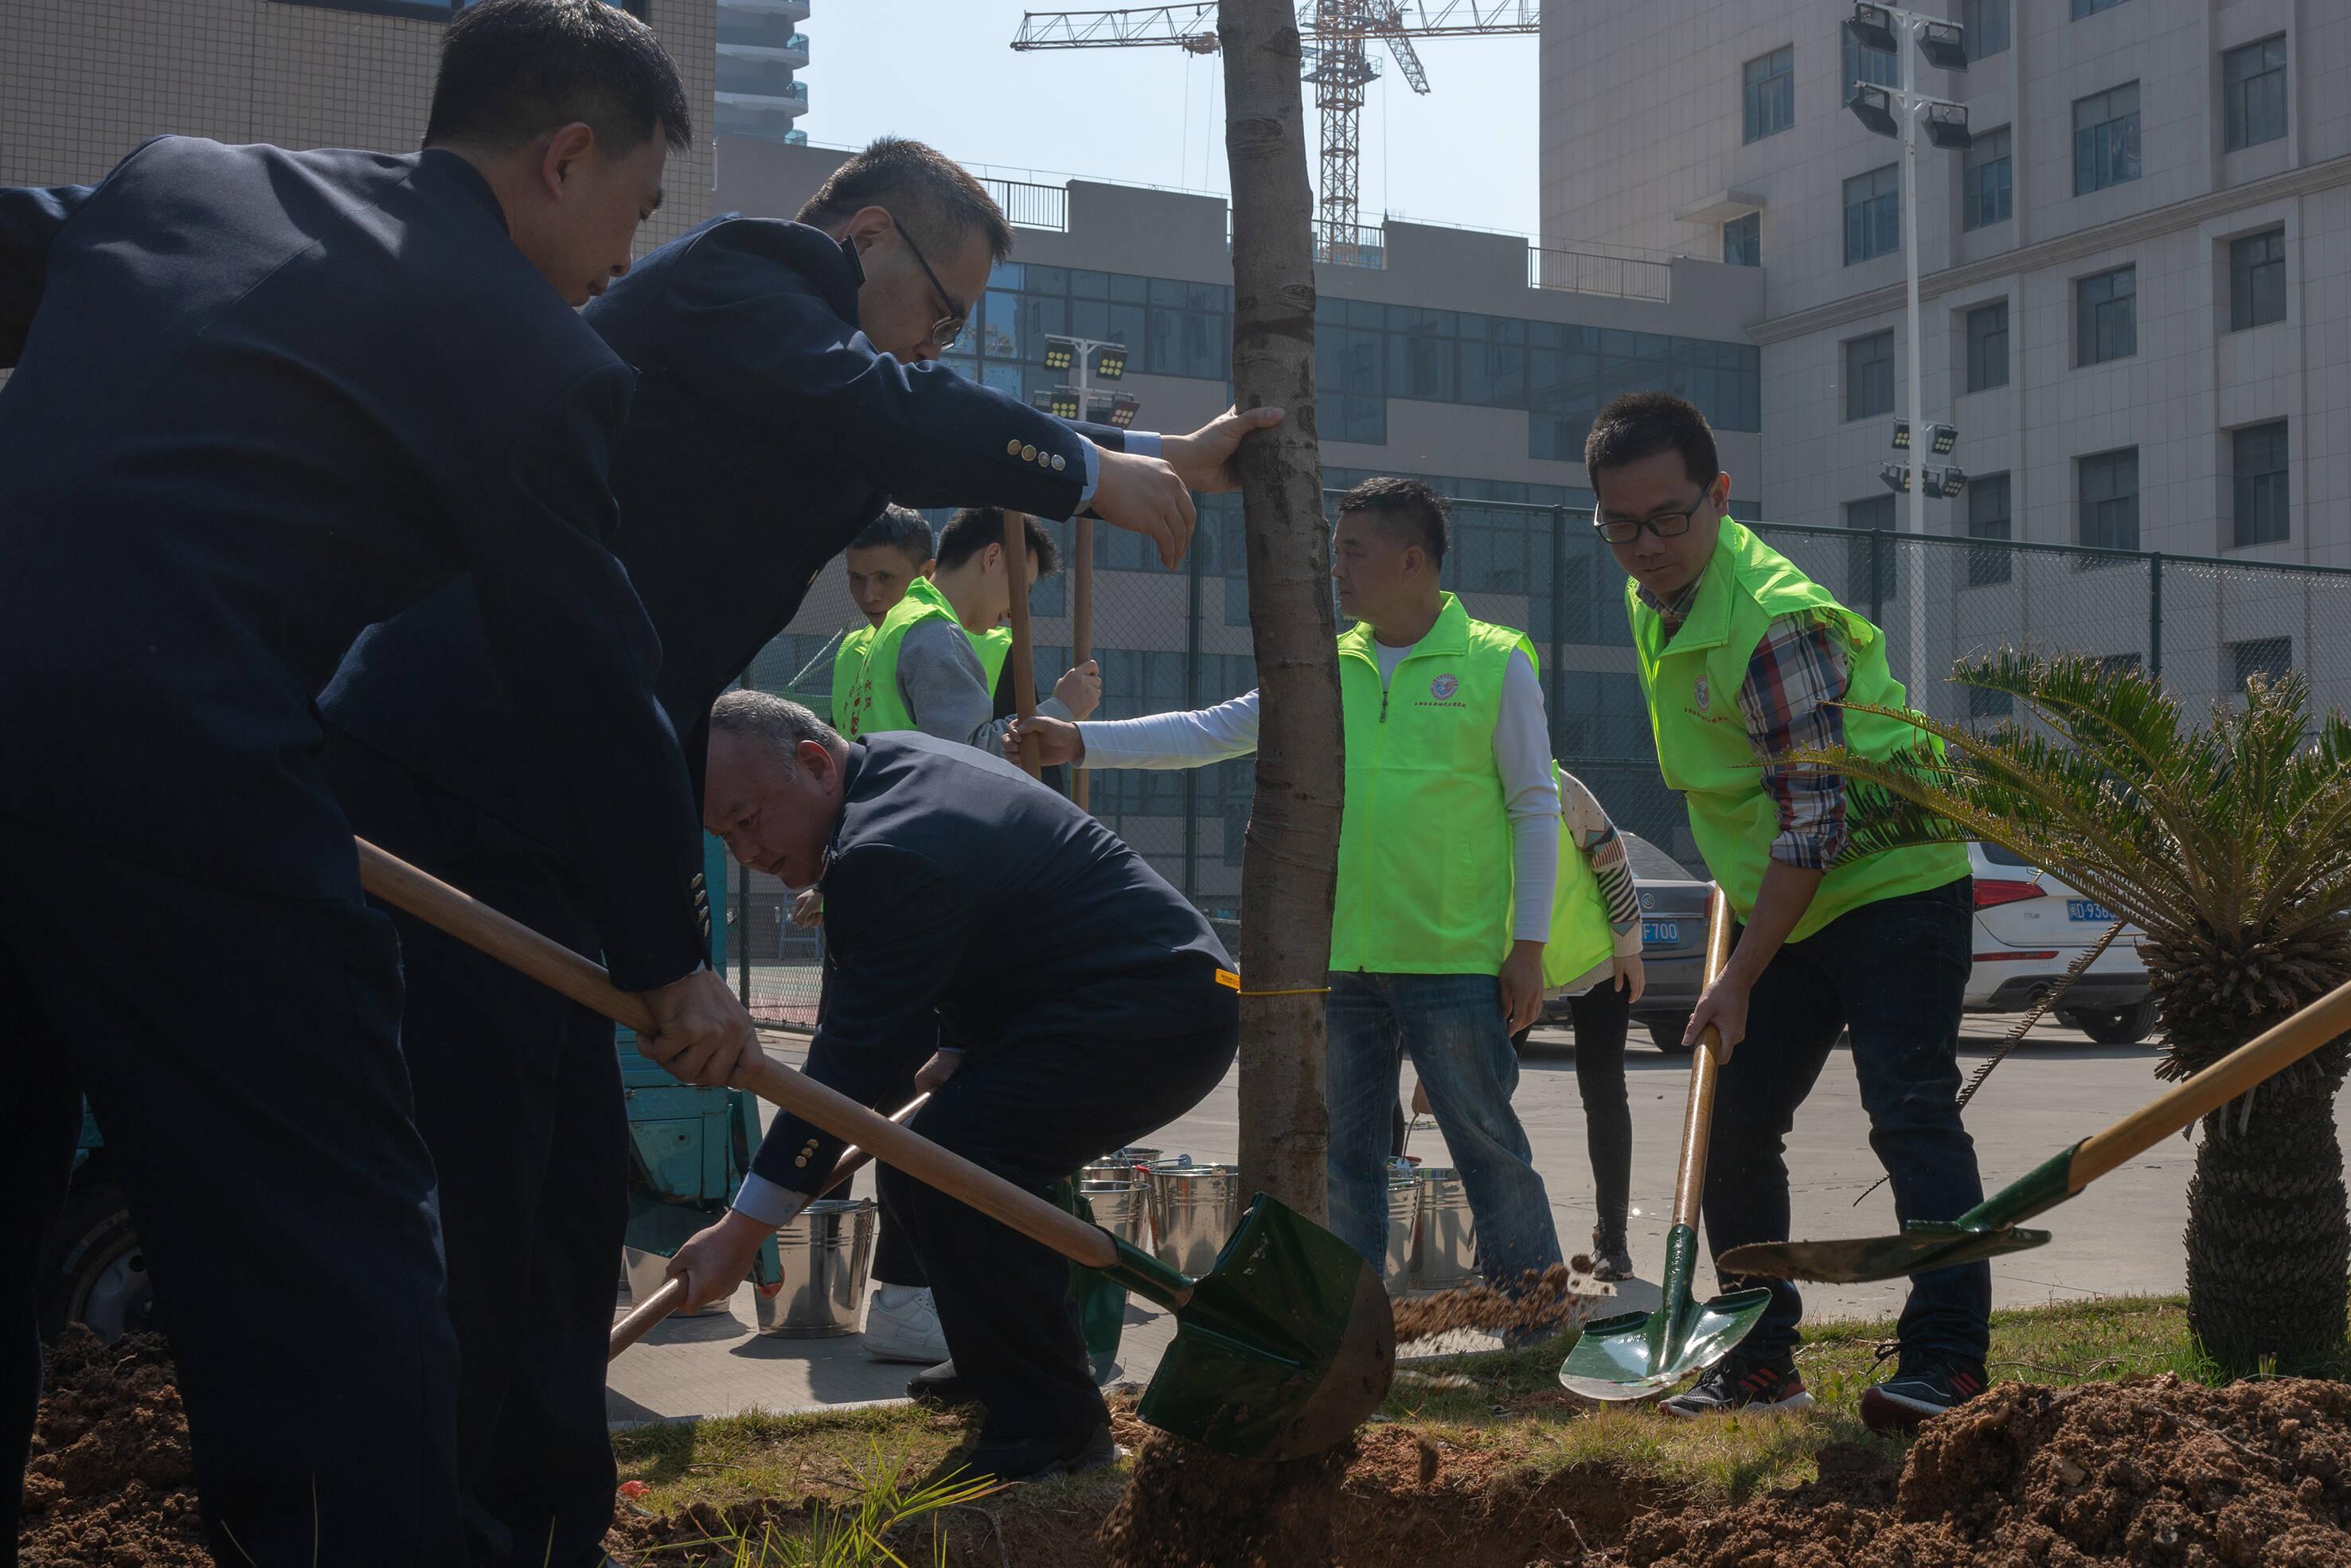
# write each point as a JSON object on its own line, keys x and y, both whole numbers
{"x": 1336, "y": 35}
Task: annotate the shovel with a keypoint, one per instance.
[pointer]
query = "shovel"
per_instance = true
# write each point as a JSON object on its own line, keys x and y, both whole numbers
{"x": 1638, "y": 1355}
{"x": 1992, "y": 1227}
{"x": 1281, "y": 1349}
{"x": 672, "y": 1296}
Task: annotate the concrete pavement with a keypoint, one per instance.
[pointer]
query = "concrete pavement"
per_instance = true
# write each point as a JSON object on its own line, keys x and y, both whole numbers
{"x": 2121, "y": 1237}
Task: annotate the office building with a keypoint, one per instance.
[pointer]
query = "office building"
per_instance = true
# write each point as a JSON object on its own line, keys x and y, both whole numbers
{"x": 760, "y": 51}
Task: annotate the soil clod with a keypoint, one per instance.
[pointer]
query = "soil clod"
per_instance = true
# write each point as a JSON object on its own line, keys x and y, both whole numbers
{"x": 1538, "y": 1302}
{"x": 110, "y": 1481}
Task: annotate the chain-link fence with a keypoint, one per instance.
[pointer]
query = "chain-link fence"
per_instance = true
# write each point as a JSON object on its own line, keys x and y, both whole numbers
{"x": 1181, "y": 639}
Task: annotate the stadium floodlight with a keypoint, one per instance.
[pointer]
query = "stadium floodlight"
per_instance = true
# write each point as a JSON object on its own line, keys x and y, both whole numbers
{"x": 1897, "y": 477}
{"x": 1941, "y": 439}
{"x": 1873, "y": 27}
{"x": 1874, "y": 107}
{"x": 1953, "y": 482}
{"x": 1060, "y": 353}
{"x": 1944, "y": 45}
{"x": 1063, "y": 402}
{"x": 1947, "y": 127}
{"x": 1901, "y": 435}
{"x": 1110, "y": 361}
{"x": 1123, "y": 407}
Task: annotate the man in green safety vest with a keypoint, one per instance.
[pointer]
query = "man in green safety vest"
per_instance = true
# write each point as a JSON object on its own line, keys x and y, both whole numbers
{"x": 1742, "y": 660}
{"x": 1450, "y": 796}
{"x": 883, "y": 560}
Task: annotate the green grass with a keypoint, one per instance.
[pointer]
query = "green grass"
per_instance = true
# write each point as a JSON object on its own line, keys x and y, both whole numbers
{"x": 1508, "y": 1400}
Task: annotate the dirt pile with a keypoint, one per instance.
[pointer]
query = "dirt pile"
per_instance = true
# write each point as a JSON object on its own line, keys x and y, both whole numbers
{"x": 1188, "y": 1508}
{"x": 110, "y": 1481}
{"x": 1546, "y": 1300}
{"x": 2150, "y": 1473}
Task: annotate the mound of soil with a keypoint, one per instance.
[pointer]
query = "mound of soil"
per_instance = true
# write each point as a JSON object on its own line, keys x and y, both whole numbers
{"x": 110, "y": 1481}
{"x": 1538, "y": 1302}
{"x": 2149, "y": 1472}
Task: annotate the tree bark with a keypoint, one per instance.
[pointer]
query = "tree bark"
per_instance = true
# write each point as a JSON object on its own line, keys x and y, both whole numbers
{"x": 1291, "y": 865}
{"x": 2268, "y": 1245}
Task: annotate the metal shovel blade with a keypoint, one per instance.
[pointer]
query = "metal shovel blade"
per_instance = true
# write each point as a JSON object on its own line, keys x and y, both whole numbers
{"x": 1640, "y": 1355}
{"x": 1924, "y": 1245}
{"x": 1284, "y": 1348}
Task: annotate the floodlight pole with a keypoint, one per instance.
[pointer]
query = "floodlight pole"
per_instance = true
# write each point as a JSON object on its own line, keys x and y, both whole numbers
{"x": 1911, "y": 109}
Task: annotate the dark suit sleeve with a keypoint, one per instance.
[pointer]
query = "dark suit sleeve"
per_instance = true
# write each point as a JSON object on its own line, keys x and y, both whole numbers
{"x": 750, "y": 335}
{"x": 30, "y": 217}
{"x": 577, "y": 655}
{"x": 896, "y": 926}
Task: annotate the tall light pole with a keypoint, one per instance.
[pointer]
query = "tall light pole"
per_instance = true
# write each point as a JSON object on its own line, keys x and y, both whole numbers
{"x": 1086, "y": 357}
{"x": 1892, "y": 111}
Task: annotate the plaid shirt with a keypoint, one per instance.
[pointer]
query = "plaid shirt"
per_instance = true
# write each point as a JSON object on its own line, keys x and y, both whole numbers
{"x": 1796, "y": 671}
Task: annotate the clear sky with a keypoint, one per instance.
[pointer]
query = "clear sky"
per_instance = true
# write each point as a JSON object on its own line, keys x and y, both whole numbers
{"x": 943, "y": 70}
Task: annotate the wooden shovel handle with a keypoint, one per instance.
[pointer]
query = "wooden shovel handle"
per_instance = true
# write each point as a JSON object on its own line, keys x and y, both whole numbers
{"x": 1082, "y": 629}
{"x": 437, "y": 904}
{"x": 1706, "y": 1066}
{"x": 1024, "y": 668}
{"x": 672, "y": 1296}
{"x": 2206, "y": 1091}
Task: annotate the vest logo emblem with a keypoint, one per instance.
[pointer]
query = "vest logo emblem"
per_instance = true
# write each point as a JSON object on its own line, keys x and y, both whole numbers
{"x": 1701, "y": 694}
{"x": 1443, "y": 688}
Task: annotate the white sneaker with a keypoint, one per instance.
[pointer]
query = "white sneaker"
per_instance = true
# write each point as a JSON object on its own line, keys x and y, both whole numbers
{"x": 901, "y": 1323}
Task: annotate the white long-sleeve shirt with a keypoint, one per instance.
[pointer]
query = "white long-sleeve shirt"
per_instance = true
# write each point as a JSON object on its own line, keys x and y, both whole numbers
{"x": 1522, "y": 756}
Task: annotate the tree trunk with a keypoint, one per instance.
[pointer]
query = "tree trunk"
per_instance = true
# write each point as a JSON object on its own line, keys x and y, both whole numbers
{"x": 2268, "y": 1241}
{"x": 1291, "y": 865}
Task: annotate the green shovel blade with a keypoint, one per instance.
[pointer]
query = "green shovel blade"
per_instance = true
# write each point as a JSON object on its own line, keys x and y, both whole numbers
{"x": 1924, "y": 1245}
{"x": 1284, "y": 1348}
{"x": 1640, "y": 1355}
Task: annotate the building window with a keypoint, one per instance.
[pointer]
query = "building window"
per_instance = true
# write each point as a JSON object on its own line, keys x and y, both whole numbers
{"x": 1869, "y": 375}
{"x": 2109, "y": 499}
{"x": 2272, "y": 658}
{"x": 2257, "y": 280}
{"x": 2252, "y": 93}
{"x": 1988, "y": 518}
{"x": 1742, "y": 241}
{"x": 1769, "y": 88}
{"x": 1879, "y": 68}
{"x": 1988, "y": 346}
{"x": 2083, "y": 8}
{"x": 1986, "y": 24}
{"x": 1873, "y": 214}
{"x": 2105, "y": 315}
{"x": 1876, "y": 514}
{"x": 416, "y": 10}
{"x": 2263, "y": 516}
{"x": 1985, "y": 196}
{"x": 2106, "y": 139}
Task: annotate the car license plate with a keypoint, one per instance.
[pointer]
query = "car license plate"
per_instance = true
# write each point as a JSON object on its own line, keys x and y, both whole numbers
{"x": 1660, "y": 933}
{"x": 2089, "y": 909}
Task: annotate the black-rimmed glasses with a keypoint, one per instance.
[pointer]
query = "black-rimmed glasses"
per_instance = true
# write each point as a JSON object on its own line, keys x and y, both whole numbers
{"x": 949, "y": 326}
{"x": 1666, "y": 525}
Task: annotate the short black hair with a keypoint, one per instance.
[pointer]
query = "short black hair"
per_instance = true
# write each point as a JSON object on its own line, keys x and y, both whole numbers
{"x": 1642, "y": 423}
{"x": 1407, "y": 504}
{"x": 974, "y": 528}
{"x": 933, "y": 196}
{"x": 512, "y": 70}
{"x": 900, "y": 528}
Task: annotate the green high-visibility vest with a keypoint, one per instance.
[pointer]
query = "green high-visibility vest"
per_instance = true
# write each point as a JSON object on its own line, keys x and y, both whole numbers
{"x": 875, "y": 703}
{"x": 1692, "y": 685}
{"x": 848, "y": 669}
{"x": 1579, "y": 938}
{"x": 992, "y": 645}
{"x": 1424, "y": 842}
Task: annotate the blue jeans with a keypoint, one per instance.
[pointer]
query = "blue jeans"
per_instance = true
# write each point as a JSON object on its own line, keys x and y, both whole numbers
{"x": 1894, "y": 972}
{"x": 1452, "y": 1028}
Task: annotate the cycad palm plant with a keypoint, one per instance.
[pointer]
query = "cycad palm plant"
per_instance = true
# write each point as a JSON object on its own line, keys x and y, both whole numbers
{"x": 2230, "y": 846}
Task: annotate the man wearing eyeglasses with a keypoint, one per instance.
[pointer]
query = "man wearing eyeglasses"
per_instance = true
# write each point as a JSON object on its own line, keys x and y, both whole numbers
{"x": 1744, "y": 660}
{"x": 786, "y": 391}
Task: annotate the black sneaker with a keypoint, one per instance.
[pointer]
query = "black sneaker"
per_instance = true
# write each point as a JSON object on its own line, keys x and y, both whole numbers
{"x": 1030, "y": 1458}
{"x": 1766, "y": 1387}
{"x": 1610, "y": 1259}
{"x": 1919, "y": 1391}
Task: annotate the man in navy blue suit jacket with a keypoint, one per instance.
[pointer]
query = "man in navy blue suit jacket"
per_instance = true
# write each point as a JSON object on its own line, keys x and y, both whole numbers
{"x": 788, "y": 389}
{"x": 262, "y": 400}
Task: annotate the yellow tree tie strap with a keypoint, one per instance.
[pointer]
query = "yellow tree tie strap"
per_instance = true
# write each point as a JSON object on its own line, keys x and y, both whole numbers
{"x": 1232, "y": 982}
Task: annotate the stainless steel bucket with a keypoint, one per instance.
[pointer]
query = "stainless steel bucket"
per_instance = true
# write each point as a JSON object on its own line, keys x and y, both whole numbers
{"x": 1403, "y": 1209}
{"x": 827, "y": 1254}
{"x": 1443, "y": 1237}
{"x": 1193, "y": 1209}
{"x": 649, "y": 1271}
{"x": 1123, "y": 1207}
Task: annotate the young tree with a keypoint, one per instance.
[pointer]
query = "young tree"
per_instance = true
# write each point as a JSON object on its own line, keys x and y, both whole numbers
{"x": 2230, "y": 846}
{"x": 1291, "y": 865}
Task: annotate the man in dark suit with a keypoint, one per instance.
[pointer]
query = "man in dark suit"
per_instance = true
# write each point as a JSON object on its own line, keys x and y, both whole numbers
{"x": 262, "y": 400}
{"x": 786, "y": 391}
{"x": 1082, "y": 1003}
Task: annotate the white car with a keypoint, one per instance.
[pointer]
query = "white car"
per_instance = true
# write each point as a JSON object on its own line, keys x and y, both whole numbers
{"x": 2030, "y": 927}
